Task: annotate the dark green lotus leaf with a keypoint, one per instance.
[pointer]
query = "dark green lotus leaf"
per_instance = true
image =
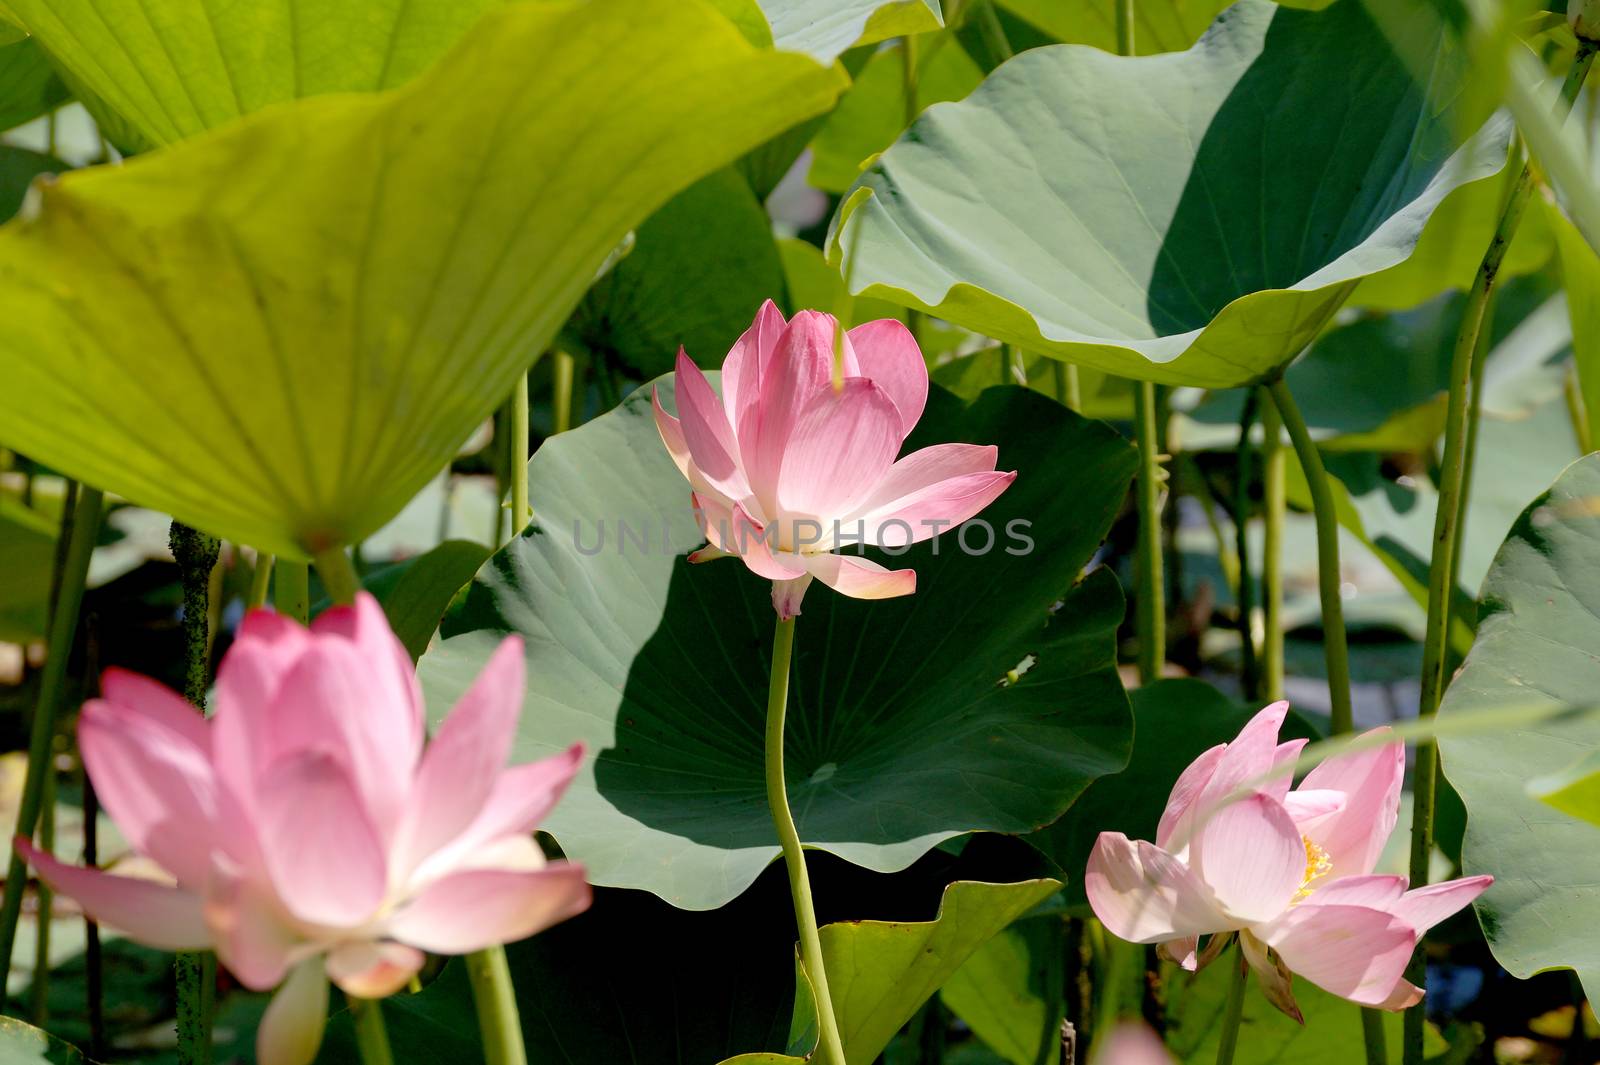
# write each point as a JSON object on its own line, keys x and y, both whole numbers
{"x": 1154, "y": 217}
{"x": 27, "y": 548}
{"x": 1538, "y": 640}
{"x": 29, "y": 86}
{"x": 699, "y": 269}
{"x": 904, "y": 728}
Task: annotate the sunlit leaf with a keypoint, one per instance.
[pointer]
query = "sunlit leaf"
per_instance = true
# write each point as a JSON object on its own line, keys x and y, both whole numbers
{"x": 1010, "y": 991}
{"x": 1144, "y": 216}
{"x": 23, "y": 1044}
{"x": 303, "y": 354}
{"x": 1536, "y": 642}
{"x": 181, "y": 67}
{"x": 27, "y": 550}
{"x": 903, "y": 731}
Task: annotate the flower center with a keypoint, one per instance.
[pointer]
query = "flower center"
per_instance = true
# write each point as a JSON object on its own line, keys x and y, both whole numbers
{"x": 1318, "y": 865}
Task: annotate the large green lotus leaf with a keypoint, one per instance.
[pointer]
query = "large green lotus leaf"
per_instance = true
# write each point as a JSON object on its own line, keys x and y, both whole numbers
{"x": 29, "y": 86}
{"x": 1538, "y": 639}
{"x": 1140, "y": 214}
{"x": 221, "y": 332}
{"x": 18, "y": 168}
{"x": 1174, "y": 722}
{"x": 1158, "y": 25}
{"x": 813, "y": 284}
{"x": 825, "y": 28}
{"x": 881, "y": 972}
{"x": 1010, "y": 992}
{"x": 904, "y": 729}
{"x": 699, "y": 269}
{"x": 176, "y": 68}
{"x": 873, "y": 112}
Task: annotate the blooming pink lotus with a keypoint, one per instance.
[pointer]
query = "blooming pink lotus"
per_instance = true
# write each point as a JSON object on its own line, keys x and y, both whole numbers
{"x": 1130, "y": 1044}
{"x": 794, "y": 461}
{"x": 1289, "y": 870}
{"x": 308, "y": 832}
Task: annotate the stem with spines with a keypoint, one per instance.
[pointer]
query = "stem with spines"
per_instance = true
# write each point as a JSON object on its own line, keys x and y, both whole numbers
{"x": 1447, "y": 519}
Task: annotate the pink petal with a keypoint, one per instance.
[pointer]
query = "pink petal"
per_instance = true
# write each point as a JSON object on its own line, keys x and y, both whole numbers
{"x": 1144, "y": 895}
{"x": 747, "y": 362}
{"x": 1354, "y": 952}
{"x": 1131, "y": 1044}
{"x": 1354, "y": 838}
{"x": 1251, "y": 856}
{"x": 291, "y": 1029}
{"x": 156, "y": 915}
{"x": 1427, "y": 906}
{"x": 1251, "y": 755}
{"x": 1187, "y": 788}
{"x": 484, "y": 907}
{"x": 707, "y": 432}
{"x": 1373, "y": 892}
{"x": 150, "y": 764}
{"x": 1284, "y": 758}
{"x": 1312, "y": 808}
{"x": 151, "y": 699}
{"x": 1404, "y": 996}
{"x": 860, "y": 578}
{"x": 756, "y": 546}
{"x": 460, "y": 766}
{"x": 671, "y": 431}
{"x": 842, "y": 445}
{"x": 519, "y": 799}
{"x": 800, "y": 367}
{"x": 888, "y": 355}
{"x": 264, "y": 650}
{"x": 1181, "y": 952}
{"x": 394, "y": 702}
{"x": 786, "y": 596}
{"x": 320, "y": 846}
{"x": 930, "y": 490}
{"x": 373, "y": 970}
{"x": 251, "y": 930}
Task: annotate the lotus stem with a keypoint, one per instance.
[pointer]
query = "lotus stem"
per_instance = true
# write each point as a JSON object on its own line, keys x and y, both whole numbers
{"x": 496, "y": 1002}
{"x": 260, "y": 581}
{"x": 1151, "y": 605}
{"x": 1233, "y": 1011}
{"x": 81, "y": 529}
{"x": 195, "y": 971}
{"x": 291, "y": 589}
{"x": 1245, "y": 590}
{"x": 805, "y": 913}
{"x": 338, "y": 575}
{"x": 518, "y": 473}
{"x": 372, "y": 1038}
{"x": 1124, "y": 27}
{"x": 994, "y": 34}
{"x": 39, "y": 990}
{"x": 1335, "y": 647}
{"x": 1372, "y": 1037}
{"x": 1447, "y": 519}
{"x": 1274, "y": 505}
{"x": 561, "y": 373}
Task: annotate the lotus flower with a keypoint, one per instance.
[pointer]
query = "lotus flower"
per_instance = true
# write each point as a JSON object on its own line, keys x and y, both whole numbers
{"x": 1291, "y": 871}
{"x": 1130, "y": 1044}
{"x": 308, "y": 833}
{"x": 795, "y": 460}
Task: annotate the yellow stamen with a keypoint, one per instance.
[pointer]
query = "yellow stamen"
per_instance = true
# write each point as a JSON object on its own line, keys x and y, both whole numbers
{"x": 1318, "y": 865}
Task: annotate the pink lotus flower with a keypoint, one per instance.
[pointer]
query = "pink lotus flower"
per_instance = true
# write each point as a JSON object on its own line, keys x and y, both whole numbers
{"x": 790, "y": 464}
{"x": 1130, "y": 1044}
{"x": 309, "y": 834}
{"x": 1289, "y": 870}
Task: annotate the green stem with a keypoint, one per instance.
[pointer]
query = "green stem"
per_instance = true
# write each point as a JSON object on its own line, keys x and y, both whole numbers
{"x": 372, "y": 1037}
{"x": 520, "y": 511}
{"x": 561, "y": 374}
{"x": 338, "y": 575}
{"x": 1447, "y": 518}
{"x": 496, "y": 1003}
{"x": 1151, "y": 605}
{"x": 84, "y": 531}
{"x": 1372, "y": 1037}
{"x": 1335, "y": 648}
{"x": 196, "y": 554}
{"x": 39, "y": 990}
{"x": 1245, "y": 588}
{"x": 260, "y": 581}
{"x": 805, "y": 914}
{"x": 1233, "y": 1010}
{"x": 291, "y": 589}
{"x": 1274, "y": 506}
{"x": 1124, "y": 27}
{"x": 994, "y": 34}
